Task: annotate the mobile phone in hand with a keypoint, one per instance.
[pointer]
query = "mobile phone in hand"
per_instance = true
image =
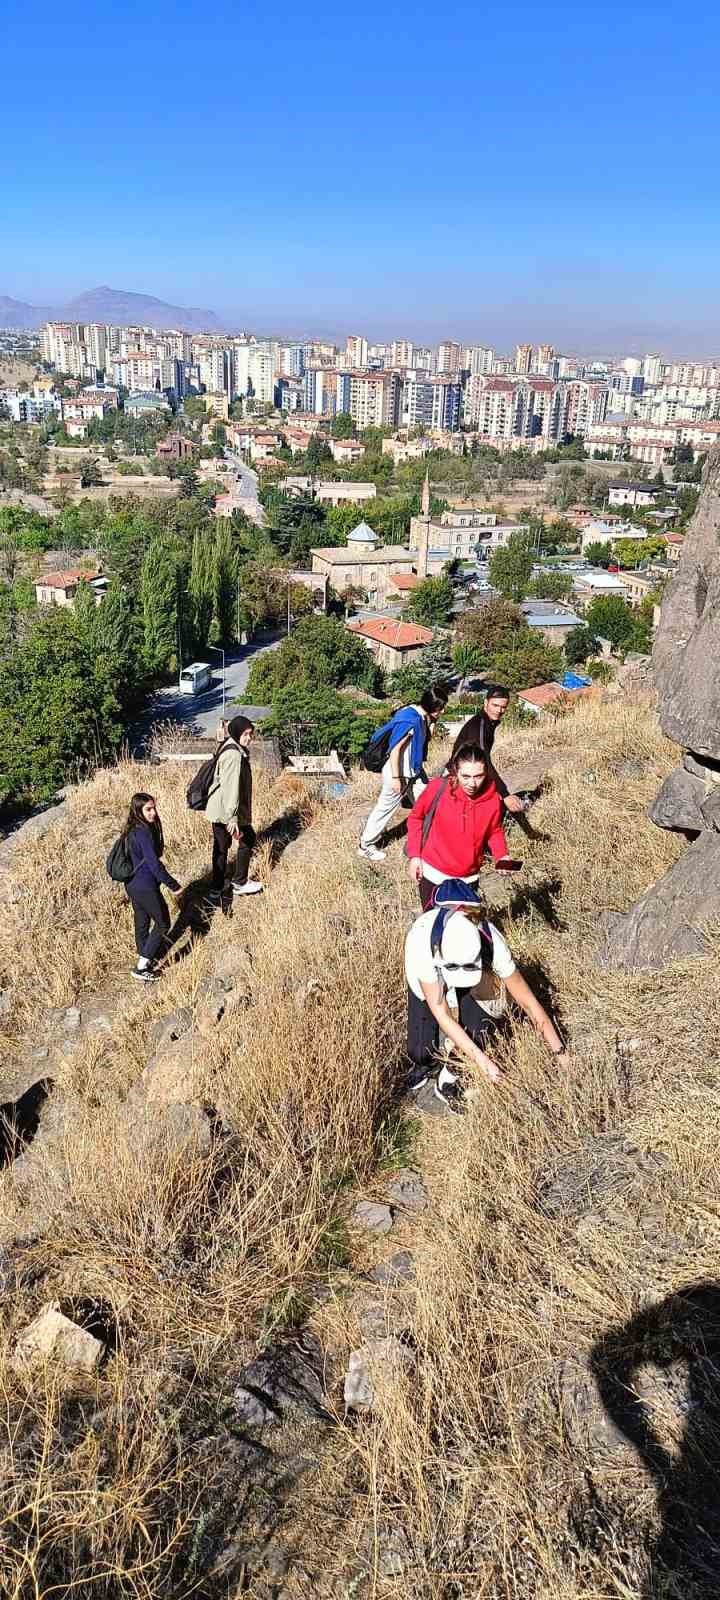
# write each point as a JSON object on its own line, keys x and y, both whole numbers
{"x": 508, "y": 865}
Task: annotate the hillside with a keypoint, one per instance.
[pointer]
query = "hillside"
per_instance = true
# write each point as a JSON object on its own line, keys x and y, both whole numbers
{"x": 117, "y": 306}
{"x": 537, "y": 1258}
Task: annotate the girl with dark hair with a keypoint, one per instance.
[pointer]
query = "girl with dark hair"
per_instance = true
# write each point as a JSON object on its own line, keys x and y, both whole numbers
{"x": 404, "y": 771}
{"x": 455, "y": 820}
{"x": 229, "y": 809}
{"x": 144, "y": 837}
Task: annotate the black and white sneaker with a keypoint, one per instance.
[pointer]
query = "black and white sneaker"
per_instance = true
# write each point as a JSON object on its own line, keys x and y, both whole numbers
{"x": 416, "y": 1080}
{"x": 144, "y": 974}
{"x": 449, "y": 1089}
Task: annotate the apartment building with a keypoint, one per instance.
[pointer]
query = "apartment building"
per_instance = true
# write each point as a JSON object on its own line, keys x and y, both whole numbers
{"x": 449, "y": 357}
{"x": 427, "y": 402}
{"x": 372, "y": 398}
{"x": 320, "y": 391}
{"x": 523, "y": 357}
{"x": 356, "y": 350}
{"x": 401, "y": 353}
{"x": 35, "y": 407}
{"x": 480, "y": 360}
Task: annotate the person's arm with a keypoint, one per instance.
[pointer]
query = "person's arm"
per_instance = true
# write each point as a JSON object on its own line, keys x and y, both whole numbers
{"x": 523, "y": 996}
{"x": 230, "y": 765}
{"x": 415, "y": 820}
{"x": 396, "y": 755}
{"x": 154, "y": 864}
{"x": 497, "y": 843}
{"x": 437, "y": 1004}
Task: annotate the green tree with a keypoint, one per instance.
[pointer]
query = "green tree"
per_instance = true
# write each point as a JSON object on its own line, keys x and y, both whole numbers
{"x": 531, "y": 662}
{"x": 631, "y": 552}
{"x": 166, "y": 623}
{"x": 490, "y": 627}
{"x": 551, "y": 586}
{"x": 511, "y": 567}
{"x": 579, "y": 644}
{"x": 56, "y": 717}
{"x": 598, "y": 554}
{"x": 342, "y": 426}
{"x": 320, "y": 650}
{"x": 431, "y": 602}
{"x": 90, "y": 474}
{"x": 608, "y": 617}
{"x": 224, "y": 585}
{"x": 201, "y": 589}
{"x": 467, "y": 660}
{"x": 311, "y": 720}
{"x": 317, "y": 453}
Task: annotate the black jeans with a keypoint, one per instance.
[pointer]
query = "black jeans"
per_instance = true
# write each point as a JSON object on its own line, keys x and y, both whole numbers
{"x": 222, "y": 840}
{"x": 149, "y": 908}
{"x": 423, "y": 1031}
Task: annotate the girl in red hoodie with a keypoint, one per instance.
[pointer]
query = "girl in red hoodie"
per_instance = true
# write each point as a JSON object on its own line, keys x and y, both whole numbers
{"x": 454, "y": 821}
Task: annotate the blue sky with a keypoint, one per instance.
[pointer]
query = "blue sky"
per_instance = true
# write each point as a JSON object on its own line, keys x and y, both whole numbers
{"x": 489, "y": 172}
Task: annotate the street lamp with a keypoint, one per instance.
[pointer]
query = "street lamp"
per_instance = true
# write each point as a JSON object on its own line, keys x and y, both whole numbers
{"x": 220, "y": 652}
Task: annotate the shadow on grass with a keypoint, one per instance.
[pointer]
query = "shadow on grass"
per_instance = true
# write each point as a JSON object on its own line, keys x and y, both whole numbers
{"x": 677, "y": 1344}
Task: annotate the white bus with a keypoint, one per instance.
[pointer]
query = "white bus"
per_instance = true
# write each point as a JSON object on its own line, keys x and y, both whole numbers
{"x": 195, "y": 678}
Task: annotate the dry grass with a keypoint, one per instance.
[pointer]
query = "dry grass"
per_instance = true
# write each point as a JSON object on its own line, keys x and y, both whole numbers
{"x": 130, "y": 1485}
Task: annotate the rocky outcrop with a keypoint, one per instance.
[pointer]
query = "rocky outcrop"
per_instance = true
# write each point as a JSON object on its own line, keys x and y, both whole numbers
{"x": 687, "y": 647}
{"x": 670, "y": 919}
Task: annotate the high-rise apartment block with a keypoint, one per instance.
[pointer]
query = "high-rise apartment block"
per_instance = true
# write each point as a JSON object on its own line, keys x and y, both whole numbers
{"x": 428, "y": 402}
{"x": 372, "y": 398}
{"x": 523, "y": 357}
{"x": 402, "y": 353}
{"x": 356, "y": 350}
{"x": 449, "y": 358}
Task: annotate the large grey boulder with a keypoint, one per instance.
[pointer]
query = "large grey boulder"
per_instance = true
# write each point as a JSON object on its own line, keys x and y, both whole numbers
{"x": 670, "y": 919}
{"x": 687, "y": 646}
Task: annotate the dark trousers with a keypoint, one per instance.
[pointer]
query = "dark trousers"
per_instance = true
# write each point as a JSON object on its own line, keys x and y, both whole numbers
{"x": 149, "y": 909}
{"x": 222, "y": 840}
{"x": 423, "y": 1031}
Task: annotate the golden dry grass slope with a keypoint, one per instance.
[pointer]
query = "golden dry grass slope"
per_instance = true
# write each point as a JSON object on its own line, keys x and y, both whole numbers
{"x": 561, "y": 1206}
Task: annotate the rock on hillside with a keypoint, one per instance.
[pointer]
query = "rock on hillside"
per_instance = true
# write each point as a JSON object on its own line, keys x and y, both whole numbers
{"x": 669, "y": 919}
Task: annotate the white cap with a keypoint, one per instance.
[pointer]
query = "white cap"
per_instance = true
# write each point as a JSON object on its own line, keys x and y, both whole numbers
{"x": 461, "y": 951}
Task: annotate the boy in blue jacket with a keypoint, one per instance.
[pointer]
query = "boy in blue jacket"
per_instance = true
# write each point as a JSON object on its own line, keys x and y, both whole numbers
{"x": 403, "y": 774}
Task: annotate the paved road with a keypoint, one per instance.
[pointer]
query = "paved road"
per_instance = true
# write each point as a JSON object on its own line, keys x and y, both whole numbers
{"x": 247, "y": 483}
{"x": 201, "y": 713}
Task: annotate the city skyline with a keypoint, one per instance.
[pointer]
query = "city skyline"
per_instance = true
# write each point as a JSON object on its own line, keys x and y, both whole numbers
{"x": 445, "y": 175}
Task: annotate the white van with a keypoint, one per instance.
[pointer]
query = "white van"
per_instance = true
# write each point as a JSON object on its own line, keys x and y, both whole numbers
{"x": 195, "y": 678}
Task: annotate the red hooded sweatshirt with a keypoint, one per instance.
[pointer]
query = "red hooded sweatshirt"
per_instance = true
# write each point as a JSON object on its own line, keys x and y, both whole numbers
{"x": 460, "y": 831}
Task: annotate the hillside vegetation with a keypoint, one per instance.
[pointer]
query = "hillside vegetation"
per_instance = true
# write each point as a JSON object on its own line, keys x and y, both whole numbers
{"x": 560, "y": 1207}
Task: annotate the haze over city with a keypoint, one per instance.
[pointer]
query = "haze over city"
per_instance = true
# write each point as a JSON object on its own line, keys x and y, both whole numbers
{"x": 539, "y": 174}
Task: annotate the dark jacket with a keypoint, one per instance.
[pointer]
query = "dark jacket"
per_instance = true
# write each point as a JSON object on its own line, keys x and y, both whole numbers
{"x": 149, "y": 870}
{"x": 481, "y": 730}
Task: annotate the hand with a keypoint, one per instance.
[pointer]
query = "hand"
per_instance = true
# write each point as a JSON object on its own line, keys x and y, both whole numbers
{"x": 486, "y": 1066}
{"x": 514, "y": 804}
{"x": 396, "y": 785}
{"x": 235, "y": 834}
{"x": 416, "y": 869}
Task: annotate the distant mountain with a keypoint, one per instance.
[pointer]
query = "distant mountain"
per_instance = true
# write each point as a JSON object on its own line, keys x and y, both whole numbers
{"x": 16, "y": 314}
{"x": 119, "y": 306}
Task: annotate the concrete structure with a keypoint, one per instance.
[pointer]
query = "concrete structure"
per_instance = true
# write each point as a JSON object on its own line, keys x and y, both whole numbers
{"x": 60, "y": 588}
{"x": 364, "y": 564}
{"x": 407, "y": 449}
{"x": 392, "y": 643}
{"x": 589, "y": 585}
{"x": 547, "y": 694}
{"x": 346, "y": 451}
{"x": 633, "y": 494}
{"x": 639, "y": 585}
{"x": 345, "y": 494}
{"x": 552, "y": 620}
{"x": 176, "y": 448}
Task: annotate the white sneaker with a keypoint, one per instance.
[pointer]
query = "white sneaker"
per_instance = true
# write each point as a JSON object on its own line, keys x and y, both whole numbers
{"x": 251, "y": 887}
{"x": 370, "y": 852}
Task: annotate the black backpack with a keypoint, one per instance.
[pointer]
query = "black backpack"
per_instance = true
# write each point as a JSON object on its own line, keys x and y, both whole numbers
{"x": 198, "y": 789}
{"x": 119, "y": 862}
{"x": 377, "y": 750}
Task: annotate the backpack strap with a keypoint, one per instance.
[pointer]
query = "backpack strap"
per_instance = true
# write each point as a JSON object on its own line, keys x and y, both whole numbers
{"x": 429, "y": 817}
